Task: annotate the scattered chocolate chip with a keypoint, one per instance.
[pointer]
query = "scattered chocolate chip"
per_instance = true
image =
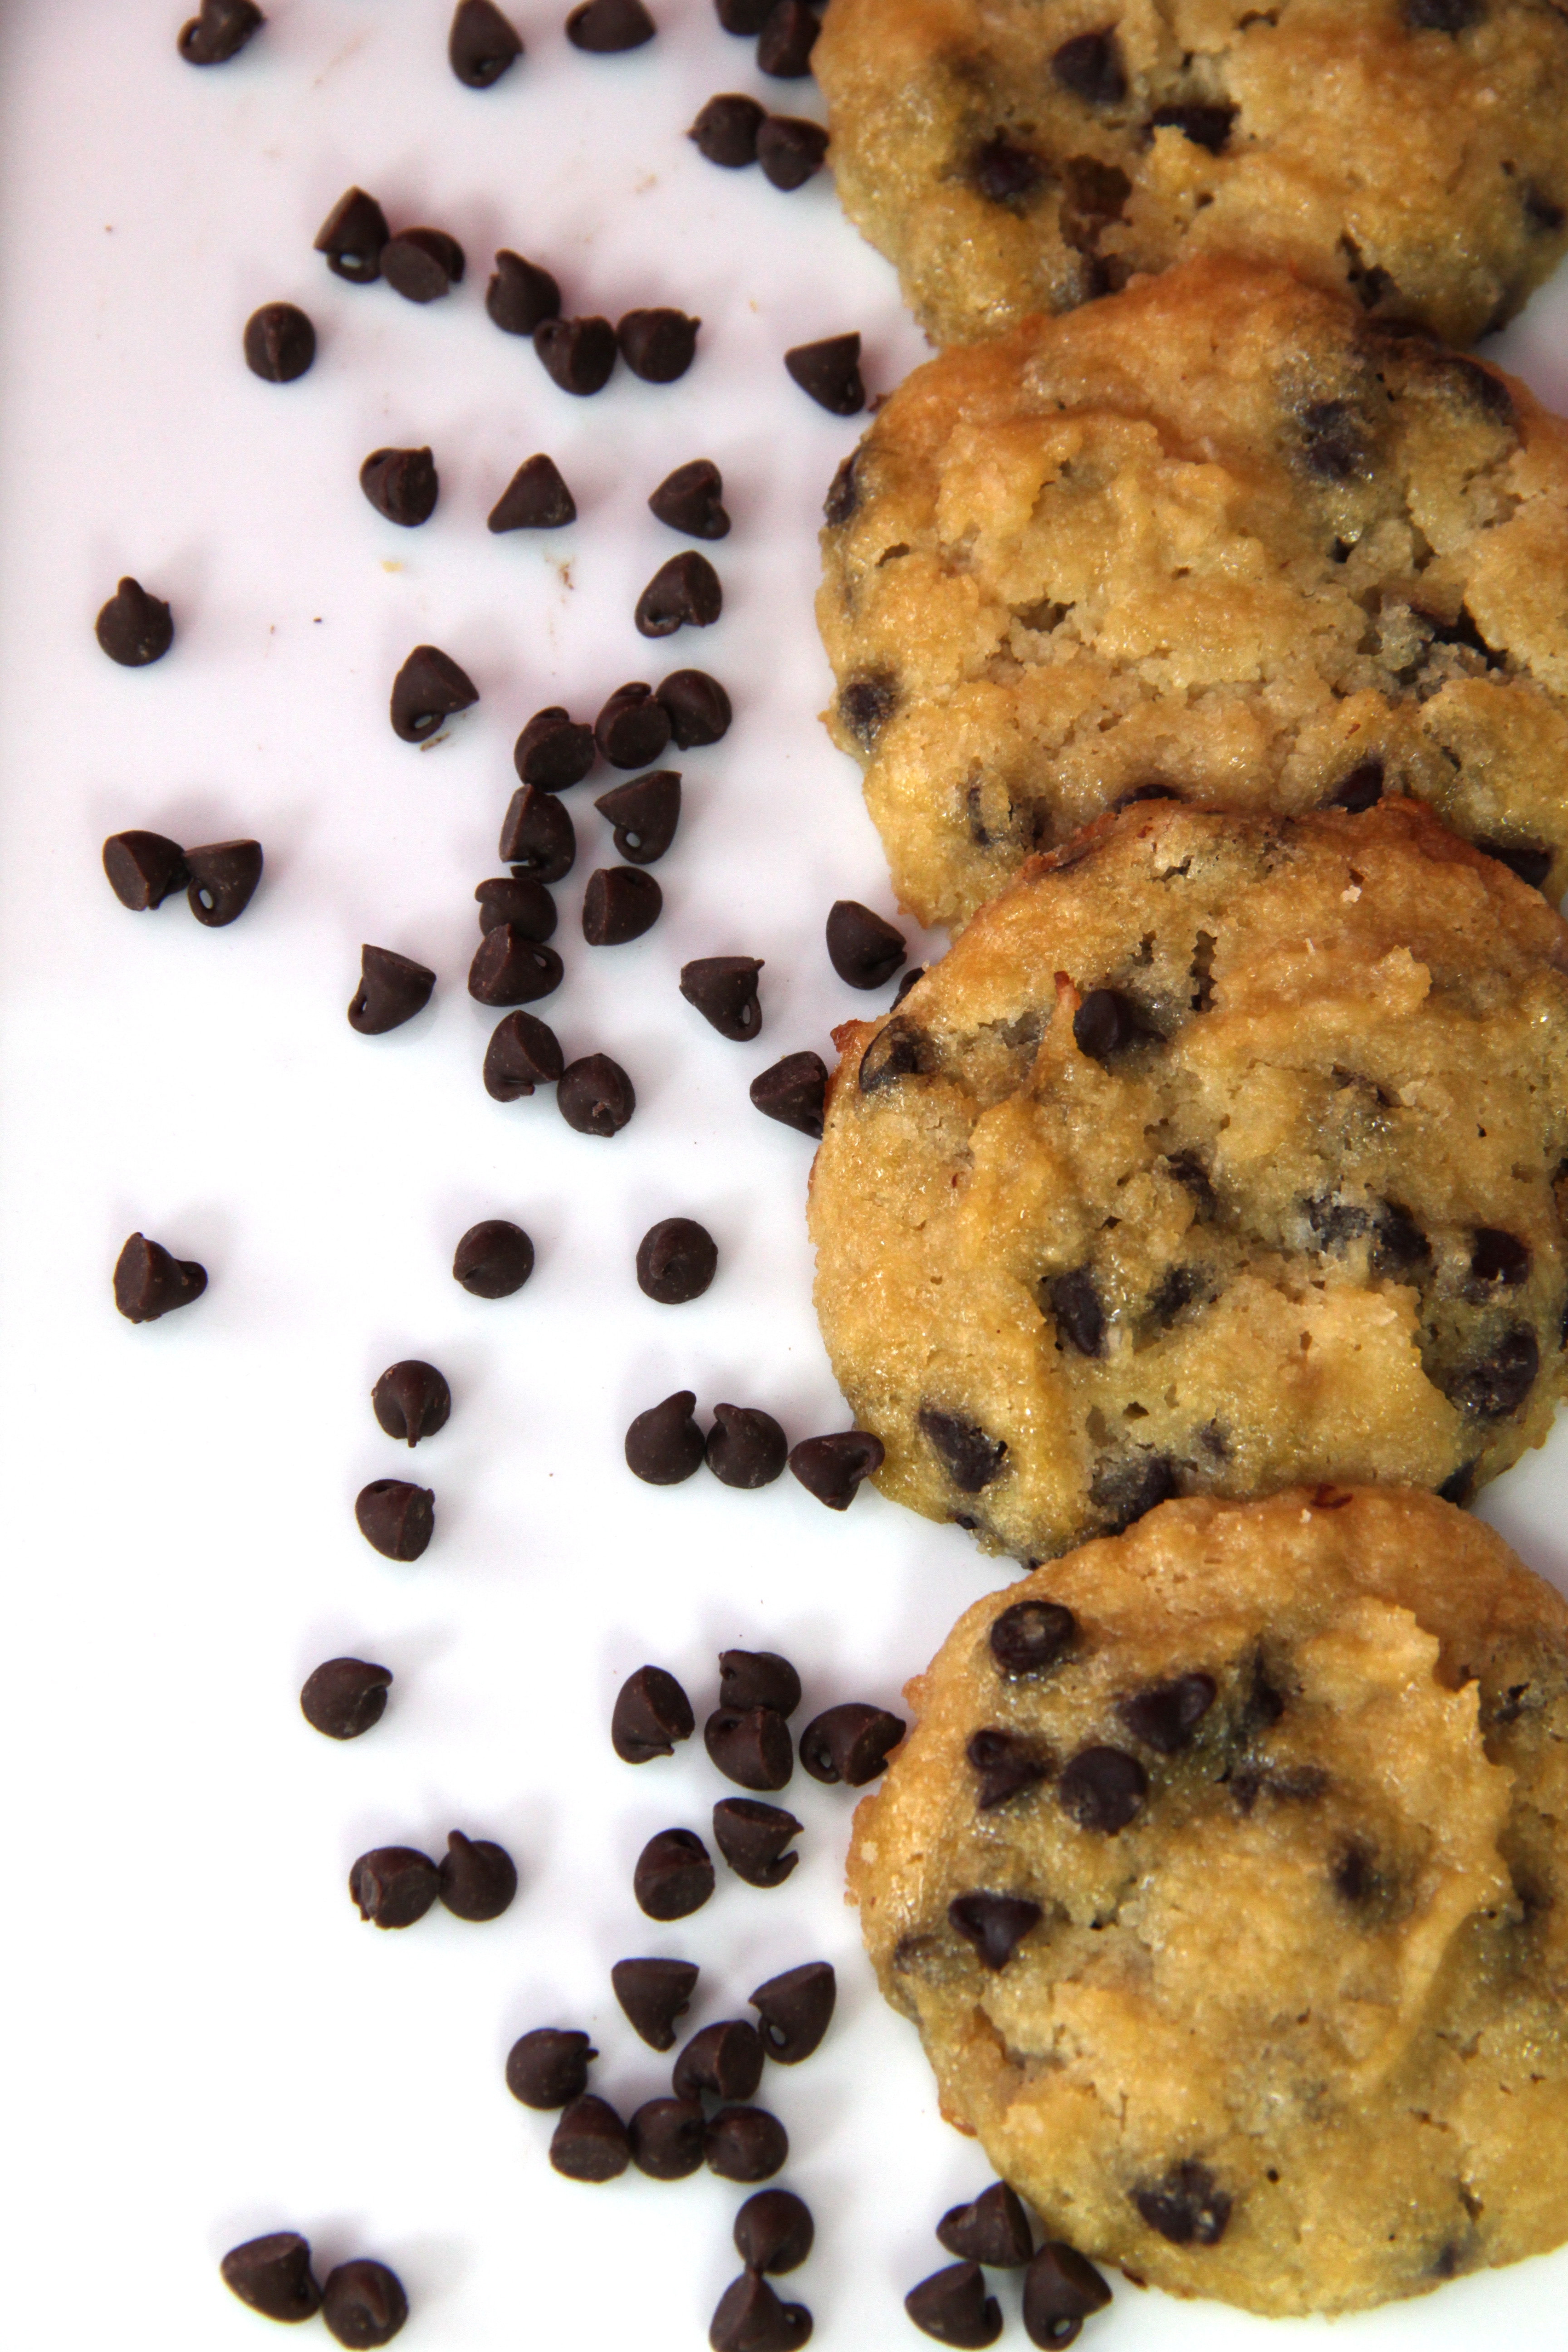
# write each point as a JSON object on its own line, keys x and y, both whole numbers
{"x": 1061, "y": 2290}
{"x": 745, "y": 17}
{"x": 658, "y": 346}
{"x": 830, "y": 372}
{"x": 481, "y": 44}
{"x": 428, "y": 688}
{"x": 1498, "y": 1257}
{"x": 863, "y": 950}
{"x": 536, "y": 498}
{"x": 1502, "y": 1379}
{"x": 364, "y": 2305}
{"x": 354, "y": 236}
{"x": 510, "y": 969}
{"x": 1360, "y": 790}
{"x": 677, "y": 1260}
{"x": 750, "y": 2318}
{"x": 1031, "y": 1636}
{"x": 750, "y": 1746}
{"x": 144, "y": 868}
{"x": 1443, "y": 16}
{"x": 832, "y": 1469}
{"x": 620, "y": 903}
{"x": 1165, "y": 1715}
{"x": 691, "y": 499}
{"x": 1103, "y": 1789}
{"x": 696, "y": 708}
{"x": 1090, "y": 65}
{"x": 391, "y": 989}
{"x": 674, "y": 1876}
{"x": 524, "y": 1053}
{"x": 272, "y": 2274}
{"x": 645, "y": 813}
{"x": 1531, "y": 860}
{"x": 726, "y": 130}
{"x": 605, "y": 26}
{"x": 953, "y": 2307}
{"x": 1003, "y": 174}
{"x": 753, "y": 1837}
{"x": 787, "y": 39}
{"x": 549, "y": 2067}
{"x": 843, "y": 494}
{"x": 746, "y": 2144}
{"x": 517, "y": 899}
{"x": 400, "y": 484}
{"x": 746, "y": 1447}
{"x": 651, "y": 1713}
{"x": 667, "y": 2138}
{"x": 1076, "y": 1310}
{"x": 579, "y": 354}
{"x": 724, "y": 991}
{"x": 795, "y": 1092}
{"x": 135, "y": 628}
{"x": 971, "y": 1459}
{"x": 664, "y": 1445}
{"x": 554, "y": 750}
{"x": 394, "y": 1885}
{"x": 537, "y": 837}
{"x": 219, "y": 32}
{"x": 1104, "y": 1023}
{"x": 344, "y": 1697}
{"x": 849, "y": 1743}
{"x": 1203, "y": 126}
{"x": 422, "y": 264}
{"x": 684, "y": 592}
{"x": 758, "y": 1678}
{"x": 411, "y": 1401}
{"x": 396, "y": 1519}
{"x": 909, "y": 980}
{"x": 590, "y": 2142}
{"x": 866, "y": 704}
{"x": 633, "y": 728}
{"x": 898, "y": 1050}
{"x": 994, "y": 1924}
{"x": 791, "y": 151}
{"x": 495, "y": 1258}
{"x": 1187, "y": 2206}
{"x": 1007, "y": 1766}
{"x": 280, "y": 343}
{"x": 521, "y": 294}
{"x": 479, "y": 1879}
{"x": 773, "y": 2231}
{"x": 995, "y": 2230}
{"x": 149, "y": 1282}
{"x": 653, "y": 1994}
{"x": 724, "y": 2062}
{"x": 1127, "y": 1489}
{"x": 796, "y": 2010}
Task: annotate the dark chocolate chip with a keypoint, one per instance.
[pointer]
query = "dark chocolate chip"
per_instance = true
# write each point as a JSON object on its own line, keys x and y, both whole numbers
{"x": 1077, "y": 1311}
{"x": 898, "y": 1050}
{"x": 994, "y": 1924}
{"x": 849, "y": 1743}
{"x": 223, "y": 876}
{"x": 746, "y": 2144}
{"x": 482, "y": 44}
{"x": 495, "y": 1258}
{"x": 795, "y": 1092}
{"x": 1126, "y": 1489}
{"x": 400, "y": 484}
{"x": 832, "y": 1469}
{"x": 653, "y": 1994}
{"x": 1187, "y": 2206}
{"x": 829, "y": 370}
{"x": 1031, "y": 1637}
{"x": 354, "y": 236}
{"x": 536, "y": 498}
{"x": 411, "y": 1401}
{"x": 524, "y": 1053}
{"x": 684, "y": 592}
{"x": 773, "y": 2231}
{"x": 422, "y": 264}
{"x": 787, "y": 39}
{"x": 952, "y": 2307}
{"x": 1061, "y": 2290}
{"x": 1500, "y": 1381}
{"x": 1531, "y": 860}
{"x": 428, "y": 688}
{"x": 750, "y": 1746}
{"x": 1104, "y": 1023}
{"x": 674, "y": 1876}
{"x": 391, "y": 989}
{"x": 280, "y": 343}
{"x": 1203, "y": 126}
{"x": 135, "y": 628}
{"x": 633, "y": 728}
{"x": 394, "y": 1885}
{"x": 219, "y": 32}
{"x": 664, "y": 1445}
{"x": 994, "y": 2229}
{"x": 658, "y": 346}
{"x": 1460, "y": 1484}
{"x": 750, "y": 2318}
{"x": 677, "y": 1260}
{"x": 364, "y": 2305}
{"x": 691, "y": 499}
{"x": 590, "y": 2142}
{"x": 605, "y": 26}
{"x": 796, "y": 2010}
{"x": 758, "y": 1678}
{"x": 726, "y": 130}
{"x": 344, "y": 1697}
{"x": 866, "y": 704}
{"x": 521, "y": 294}
{"x": 579, "y": 354}
{"x": 972, "y": 1460}
{"x": 1006, "y": 1767}
{"x": 909, "y": 980}
{"x": 510, "y": 969}
{"x": 396, "y": 1519}
{"x": 554, "y": 750}
{"x": 745, "y": 18}
{"x": 724, "y": 2062}
{"x": 537, "y": 837}
{"x": 1360, "y": 790}
{"x": 272, "y": 2274}
{"x": 1443, "y": 16}
{"x": 645, "y": 813}
{"x": 1543, "y": 213}
{"x": 1102, "y": 1789}
{"x": 479, "y": 1879}
{"x": 724, "y": 991}
{"x": 666, "y": 2138}
{"x": 696, "y": 708}
{"x": 746, "y": 1447}
{"x": 620, "y": 903}
{"x": 1165, "y": 1715}
{"x": 1497, "y": 1256}
{"x": 1331, "y": 445}
{"x": 517, "y": 899}
{"x": 1355, "y": 1876}
{"x": 753, "y": 1837}
{"x": 549, "y": 2067}
{"x": 651, "y": 1713}
{"x": 1090, "y": 65}
{"x": 843, "y": 494}
{"x": 863, "y": 949}
{"x": 144, "y": 868}
{"x": 149, "y": 1282}
{"x": 791, "y": 151}
{"x": 1003, "y": 174}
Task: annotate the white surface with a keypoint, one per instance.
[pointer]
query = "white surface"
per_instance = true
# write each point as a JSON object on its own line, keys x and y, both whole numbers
{"x": 208, "y": 2042}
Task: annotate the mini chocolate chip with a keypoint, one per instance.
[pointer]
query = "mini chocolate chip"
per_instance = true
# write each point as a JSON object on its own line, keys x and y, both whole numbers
{"x": 549, "y": 2067}
{"x": 1498, "y": 1257}
{"x": 796, "y": 2010}
{"x": 1360, "y": 790}
{"x": 849, "y": 1743}
{"x": 400, "y": 484}
{"x": 344, "y": 1697}
{"x": 1203, "y": 126}
{"x": 677, "y": 1260}
{"x": 658, "y": 346}
{"x": 495, "y": 1258}
{"x": 391, "y": 989}
{"x": 994, "y": 1924}
{"x": 724, "y": 2062}
{"x": 509, "y": 969}
{"x": 1007, "y": 1766}
{"x": 645, "y": 813}
{"x": 691, "y": 499}
{"x": 953, "y": 2307}
{"x": 364, "y": 2305}
{"x": 554, "y": 750}
{"x": 750, "y": 2318}
{"x": 843, "y": 494}
{"x": 863, "y": 950}
{"x": 149, "y": 1282}
{"x": 1061, "y": 2290}
{"x": 1004, "y": 174}
{"x": 524, "y": 1053}
{"x": 1187, "y": 2206}
{"x": 354, "y": 236}
{"x": 746, "y": 1447}
{"x": 745, "y": 18}
{"x": 791, "y": 151}
{"x": 972, "y": 1460}
{"x": 994, "y": 2229}
{"x": 1104, "y": 1023}
{"x": 537, "y": 837}
{"x": 832, "y": 1469}
{"x": 396, "y": 1519}
{"x": 272, "y": 2274}
{"x": 605, "y": 26}
{"x": 280, "y": 343}
{"x": 664, "y": 1445}
{"x": 1531, "y": 860}
{"x": 1331, "y": 445}
{"x": 144, "y": 868}
{"x": 579, "y": 354}
{"x": 1460, "y": 1484}
{"x": 633, "y": 728}
{"x": 536, "y": 498}
{"x": 481, "y": 44}
{"x": 696, "y": 708}
{"x": 223, "y": 880}
{"x": 422, "y": 264}
{"x": 394, "y": 1885}
{"x": 916, "y": 974}
{"x": 428, "y": 688}
{"x": 590, "y": 2142}
{"x": 726, "y": 130}
{"x": 1077, "y": 1311}
{"x": 1443, "y": 16}
{"x": 653, "y": 1994}
{"x": 411, "y": 1401}
{"x": 666, "y": 2138}
{"x": 216, "y": 33}
{"x": 898, "y": 1050}
{"x": 758, "y": 1678}
{"x": 829, "y": 370}
{"x": 1126, "y": 1489}
{"x": 479, "y": 1879}
{"x": 724, "y": 991}
{"x": 1031, "y": 1637}
{"x": 135, "y": 628}
{"x": 753, "y": 1837}
{"x": 750, "y": 1746}
{"x": 795, "y": 1092}
{"x": 674, "y": 1876}
{"x": 773, "y": 2231}
{"x": 651, "y": 1713}
{"x": 620, "y": 903}
{"x": 684, "y": 592}
{"x": 1543, "y": 213}
{"x": 1102, "y": 1789}
{"x": 787, "y": 39}
{"x": 517, "y": 899}
{"x": 746, "y": 2144}
{"x": 1500, "y": 1381}
{"x": 521, "y": 294}
{"x": 1165, "y": 1715}
{"x": 1090, "y": 65}
{"x": 866, "y": 704}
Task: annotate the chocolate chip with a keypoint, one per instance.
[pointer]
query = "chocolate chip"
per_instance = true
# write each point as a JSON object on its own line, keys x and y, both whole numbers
{"x": 1031, "y": 1637}
{"x": 422, "y": 264}
{"x": 753, "y": 1837}
{"x": 849, "y": 1743}
{"x": 773, "y": 2231}
{"x": 645, "y": 813}
{"x": 391, "y": 989}
{"x": 509, "y": 969}
{"x": 411, "y": 1401}
{"x": 620, "y": 903}
{"x": 1500, "y": 1381}
{"x": 554, "y": 750}
{"x": 537, "y": 837}
{"x": 481, "y": 44}
{"x": 1187, "y": 2206}
{"x": 658, "y": 345}
{"x": 1090, "y": 65}
{"x": 843, "y": 494}
{"x": 834, "y": 1467}
{"x": 696, "y": 708}
{"x": 750, "y": 2318}
{"x": 396, "y": 1519}
{"x": 590, "y": 2142}
{"x": 791, "y": 151}
{"x": 144, "y": 868}
{"x": 364, "y": 2305}
{"x": 972, "y": 1460}
{"x": 1104, "y": 1023}
{"x": 724, "y": 2062}
{"x": 394, "y": 1885}
{"x": 750, "y": 1746}
{"x": 280, "y": 343}
{"x": 495, "y": 1258}
{"x": 795, "y": 1092}
{"x": 1102, "y": 1789}
{"x": 684, "y": 592}
{"x": 1077, "y": 1311}
{"x": 1203, "y": 126}
{"x": 1543, "y": 213}
{"x": 994, "y": 2229}
{"x": 1360, "y": 790}
{"x": 724, "y": 991}
{"x": 746, "y": 1447}
{"x": 796, "y": 2010}
{"x": 633, "y": 728}
{"x": 149, "y": 1282}
{"x": 1331, "y": 445}
{"x": 1165, "y": 1715}
{"x": 787, "y": 39}
{"x": 605, "y": 26}
{"x": 898, "y": 1050}
{"x": 653, "y": 1994}
{"x": 953, "y": 2307}
{"x": 994, "y": 1924}
{"x": 517, "y": 899}
{"x": 664, "y": 1445}
{"x": 272, "y": 2274}
{"x": 830, "y": 372}
{"x": 863, "y": 950}
{"x": 536, "y": 498}
{"x": 1443, "y": 16}
{"x": 1005, "y": 174}
{"x": 746, "y": 2144}
{"x": 758, "y": 1678}
{"x": 651, "y": 1713}
{"x": 400, "y": 484}
{"x": 344, "y": 1697}
{"x": 1126, "y": 1489}
{"x": 524, "y": 1053}
{"x": 1061, "y": 2290}
{"x": 1498, "y": 1257}
{"x": 1460, "y": 1484}
{"x": 674, "y": 1876}
{"x": 1531, "y": 860}
{"x": 579, "y": 354}
{"x": 135, "y": 628}
{"x": 677, "y": 1260}
{"x": 521, "y": 294}
{"x": 691, "y": 499}
{"x": 219, "y": 32}
{"x": 909, "y": 981}
{"x": 354, "y": 236}
{"x": 726, "y": 130}
{"x": 866, "y": 704}
{"x": 1007, "y": 1766}
{"x": 479, "y": 1879}
{"x": 667, "y": 2138}
{"x": 428, "y": 688}
{"x": 745, "y": 18}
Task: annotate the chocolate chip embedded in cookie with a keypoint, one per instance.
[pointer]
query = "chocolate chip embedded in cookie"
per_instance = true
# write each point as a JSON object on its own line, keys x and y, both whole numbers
{"x": 1181, "y": 1174}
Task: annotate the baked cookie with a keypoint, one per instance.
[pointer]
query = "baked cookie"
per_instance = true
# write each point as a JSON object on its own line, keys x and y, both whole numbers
{"x": 1018, "y": 155}
{"x": 1224, "y": 1875}
{"x": 1219, "y": 534}
{"x": 1219, "y": 1153}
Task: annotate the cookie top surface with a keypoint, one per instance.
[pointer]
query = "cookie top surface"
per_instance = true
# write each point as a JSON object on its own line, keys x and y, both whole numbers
{"x": 1222, "y": 1873}
{"x": 1218, "y": 1153}
{"x": 1218, "y": 533}
{"x": 1011, "y": 156}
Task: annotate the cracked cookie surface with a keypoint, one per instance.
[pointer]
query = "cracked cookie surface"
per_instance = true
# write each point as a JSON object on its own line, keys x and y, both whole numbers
{"x": 1218, "y": 536}
{"x": 1216, "y": 1154}
{"x": 1222, "y": 1873}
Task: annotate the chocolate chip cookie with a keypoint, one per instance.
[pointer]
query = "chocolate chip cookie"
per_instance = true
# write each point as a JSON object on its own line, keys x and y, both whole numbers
{"x": 1224, "y": 1875}
{"x": 1220, "y": 1152}
{"x": 1025, "y": 156}
{"x": 1219, "y": 536}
